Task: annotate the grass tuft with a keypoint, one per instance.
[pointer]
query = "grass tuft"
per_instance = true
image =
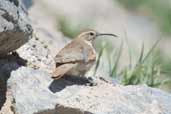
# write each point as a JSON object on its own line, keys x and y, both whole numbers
{"x": 147, "y": 70}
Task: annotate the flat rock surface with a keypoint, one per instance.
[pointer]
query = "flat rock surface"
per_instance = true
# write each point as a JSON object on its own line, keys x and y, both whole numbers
{"x": 35, "y": 92}
{"x": 14, "y": 26}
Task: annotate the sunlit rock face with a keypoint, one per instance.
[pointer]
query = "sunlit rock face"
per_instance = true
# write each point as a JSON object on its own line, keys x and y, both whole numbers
{"x": 34, "y": 92}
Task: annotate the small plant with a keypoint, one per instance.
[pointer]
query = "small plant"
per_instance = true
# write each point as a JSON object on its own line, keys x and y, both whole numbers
{"x": 103, "y": 47}
{"x": 113, "y": 69}
{"x": 160, "y": 10}
{"x": 45, "y": 46}
{"x": 69, "y": 29}
{"x": 147, "y": 70}
{"x": 99, "y": 58}
{"x": 65, "y": 27}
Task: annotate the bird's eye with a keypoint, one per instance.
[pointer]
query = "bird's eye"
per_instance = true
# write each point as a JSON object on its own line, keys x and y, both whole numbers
{"x": 91, "y": 34}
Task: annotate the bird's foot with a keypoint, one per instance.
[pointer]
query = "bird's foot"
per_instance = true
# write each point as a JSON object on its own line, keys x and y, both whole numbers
{"x": 104, "y": 79}
{"x": 91, "y": 81}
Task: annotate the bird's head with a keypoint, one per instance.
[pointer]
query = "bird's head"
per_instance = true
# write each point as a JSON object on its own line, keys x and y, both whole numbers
{"x": 91, "y": 35}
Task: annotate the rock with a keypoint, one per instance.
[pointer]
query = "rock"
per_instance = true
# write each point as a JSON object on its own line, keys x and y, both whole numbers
{"x": 38, "y": 55}
{"x": 15, "y": 29}
{"x": 7, "y": 64}
{"x": 46, "y": 41}
{"x": 8, "y": 106}
{"x": 27, "y": 3}
{"x": 34, "y": 92}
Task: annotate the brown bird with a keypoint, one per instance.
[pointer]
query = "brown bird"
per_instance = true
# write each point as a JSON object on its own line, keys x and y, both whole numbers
{"x": 77, "y": 57}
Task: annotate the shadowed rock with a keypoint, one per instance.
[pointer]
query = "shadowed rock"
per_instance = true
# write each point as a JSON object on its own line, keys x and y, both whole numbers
{"x": 8, "y": 64}
{"x": 15, "y": 29}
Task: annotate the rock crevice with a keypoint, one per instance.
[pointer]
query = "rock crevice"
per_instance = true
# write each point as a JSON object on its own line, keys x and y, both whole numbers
{"x": 15, "y": 31}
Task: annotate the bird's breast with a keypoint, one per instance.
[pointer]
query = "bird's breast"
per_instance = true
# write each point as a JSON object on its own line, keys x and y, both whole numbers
{"x": 91, "y": 50}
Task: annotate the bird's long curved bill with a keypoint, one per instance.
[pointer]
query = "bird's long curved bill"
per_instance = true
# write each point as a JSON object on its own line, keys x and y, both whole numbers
{"x": 106, "y": 34}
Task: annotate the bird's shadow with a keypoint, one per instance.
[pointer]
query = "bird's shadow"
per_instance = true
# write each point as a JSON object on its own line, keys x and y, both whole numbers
{"x": 60, "y": 84}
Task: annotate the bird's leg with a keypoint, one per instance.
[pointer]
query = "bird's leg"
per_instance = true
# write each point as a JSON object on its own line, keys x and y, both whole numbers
{"x": 90, "y": 81}
{"x": 104, "y": 79}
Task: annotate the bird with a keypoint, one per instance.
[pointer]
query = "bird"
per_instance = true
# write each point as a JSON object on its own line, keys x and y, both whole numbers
{"x": 77, "y": 57}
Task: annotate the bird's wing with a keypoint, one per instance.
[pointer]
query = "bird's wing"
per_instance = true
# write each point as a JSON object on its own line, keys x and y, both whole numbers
{"x": 74, "y": 52}
{"x": 61, "y": 70}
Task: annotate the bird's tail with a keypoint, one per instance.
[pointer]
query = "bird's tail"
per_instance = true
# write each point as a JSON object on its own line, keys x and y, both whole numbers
{"x": 61, "y": 70}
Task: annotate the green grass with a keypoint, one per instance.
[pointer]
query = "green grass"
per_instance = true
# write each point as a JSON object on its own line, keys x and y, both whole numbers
{"x": 160, "y": 10}
{"x": 99, "y": 58}
{"x": 66, "y": 28}
{"x": 149, "y": 68}
{"x": 71, "y": 30}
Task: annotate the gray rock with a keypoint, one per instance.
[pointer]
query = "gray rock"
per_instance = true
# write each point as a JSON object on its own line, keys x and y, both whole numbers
{"x": 7, "y": 64}
{"x": 27, "y": 3}
{"x": 15, "y": 29}
{"x": 38, "y": 55}
{"x": 34, "y": 92}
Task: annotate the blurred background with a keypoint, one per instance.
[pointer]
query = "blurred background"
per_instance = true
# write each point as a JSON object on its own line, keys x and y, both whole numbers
{"x": 139, "y": 56}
